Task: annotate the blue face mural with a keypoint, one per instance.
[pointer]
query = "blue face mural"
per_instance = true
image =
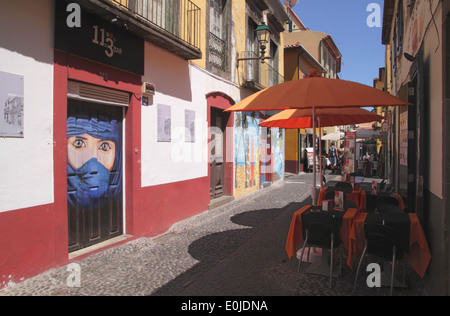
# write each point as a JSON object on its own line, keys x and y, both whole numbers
{"x": 94, "y": 149}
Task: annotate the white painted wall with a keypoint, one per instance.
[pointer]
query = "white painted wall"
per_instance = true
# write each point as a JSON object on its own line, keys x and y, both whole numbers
{"x": 433, "y": 55}
{"x": 26, "y": 164}
{"x": 180, "y": 85}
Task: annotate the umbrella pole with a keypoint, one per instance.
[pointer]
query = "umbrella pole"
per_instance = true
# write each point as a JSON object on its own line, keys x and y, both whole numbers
{"x": 313, "y": 189}
{"x": 320, "y": 153}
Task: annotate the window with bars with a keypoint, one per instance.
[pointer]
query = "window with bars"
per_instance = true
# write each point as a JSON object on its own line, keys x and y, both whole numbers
{"x": 218, "y": 34}
{"x": 399, "y": 27}
{"x": 215, "y": 25}
{"x": 252, "y": 67}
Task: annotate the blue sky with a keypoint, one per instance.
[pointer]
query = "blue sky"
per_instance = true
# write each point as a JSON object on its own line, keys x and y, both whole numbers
{"x": 346, "y": 22}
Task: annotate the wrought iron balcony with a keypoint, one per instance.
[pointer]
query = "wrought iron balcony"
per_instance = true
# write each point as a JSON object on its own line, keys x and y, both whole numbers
{"x": 173, "y": 25}
{"x": 272, "y": 76}
{"x": 217, "y": 52}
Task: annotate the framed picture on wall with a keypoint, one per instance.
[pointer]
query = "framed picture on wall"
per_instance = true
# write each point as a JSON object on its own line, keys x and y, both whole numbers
{"x": 164, "y": 123}
{"x": 189, "y": 117}
{"x": 11, "y": 105}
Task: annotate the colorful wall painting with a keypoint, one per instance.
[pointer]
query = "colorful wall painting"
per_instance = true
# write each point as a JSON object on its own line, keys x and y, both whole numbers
{"x": 266, "y": 171}
{"x": 278, "y": 153}
{"x": 94, "y": 154}
{"x": 247, "y": 152}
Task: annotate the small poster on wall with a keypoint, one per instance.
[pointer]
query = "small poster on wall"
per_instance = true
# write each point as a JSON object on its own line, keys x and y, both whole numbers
{"x": 349, "y": 152}
{"x": 339, "y": 200}
{"x": 11, "y": 105}
{"x": 403, "y": 139}
{"x": 189, "y": 126}
{"x": 164, "y": 123}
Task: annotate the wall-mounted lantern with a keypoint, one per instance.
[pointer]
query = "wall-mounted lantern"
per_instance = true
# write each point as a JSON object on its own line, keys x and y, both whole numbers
{"x": 262, "y": 34}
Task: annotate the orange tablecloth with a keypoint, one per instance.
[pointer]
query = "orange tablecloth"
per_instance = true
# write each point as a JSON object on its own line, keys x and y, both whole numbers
{"x": 419, "y": 255}
{"x": 295, "y": 235}
{"x": 400, "y": 200}
{"x": 357, "y": 196}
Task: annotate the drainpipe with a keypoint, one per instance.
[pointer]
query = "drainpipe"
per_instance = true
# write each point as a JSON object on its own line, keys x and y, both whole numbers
{"x": 320, "y": 52}
{"x": 298, "y": 61}
{"x": 301, "y": 51}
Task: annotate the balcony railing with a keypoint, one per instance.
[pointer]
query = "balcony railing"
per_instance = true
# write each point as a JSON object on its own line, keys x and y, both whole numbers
{"x": 258, "y": 75}
{"x": 180, "y": 18}
{"x": 273, "y": 76}
{"x": 217, "y": 52}
{"x": 252, "y": 69}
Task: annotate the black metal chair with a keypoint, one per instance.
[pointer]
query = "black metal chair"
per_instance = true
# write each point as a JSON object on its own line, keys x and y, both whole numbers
{"x": 381, "y": 242}
{"x": 349, "y": 204}
{"x": 367, "y": 169}
{"x": 344, "y": 186}
{"x": 389, "y": 208}
{"x": 365, "y": 186}
{"x": 387, "y": 199}
{"x": 321, "y": 230}
{"x": 380, "y": 202}
{"x": 329, "y": 194}
{"x": 371, "y": 202}
{"x": 382, "y": 186}
{"x": 388, "y": 204}
{"x": 389, "y": 188}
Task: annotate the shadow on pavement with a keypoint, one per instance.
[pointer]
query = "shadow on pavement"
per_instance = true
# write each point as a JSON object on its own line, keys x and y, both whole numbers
{"x": 252, "y": 261}
{"x": 239, "y": 261}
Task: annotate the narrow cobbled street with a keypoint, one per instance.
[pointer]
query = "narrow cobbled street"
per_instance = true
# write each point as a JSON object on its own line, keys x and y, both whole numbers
{"x": 237, "y": 249}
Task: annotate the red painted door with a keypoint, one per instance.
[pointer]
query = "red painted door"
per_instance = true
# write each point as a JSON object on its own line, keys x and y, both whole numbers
{"x": 94, "y": 173}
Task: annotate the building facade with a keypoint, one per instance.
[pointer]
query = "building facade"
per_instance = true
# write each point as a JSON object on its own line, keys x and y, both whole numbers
{"x": 119, "y": 132}
{"x": 306, "y": 50}
{"x": 416, "y": 34}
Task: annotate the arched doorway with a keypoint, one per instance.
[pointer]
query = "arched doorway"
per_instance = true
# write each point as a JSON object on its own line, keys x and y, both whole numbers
{"x": 220, "y": 125}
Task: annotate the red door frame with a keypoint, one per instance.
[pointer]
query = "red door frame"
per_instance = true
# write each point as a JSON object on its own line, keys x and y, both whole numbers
{"x": 223, "y": 101}
{"x": 69, "y": 67}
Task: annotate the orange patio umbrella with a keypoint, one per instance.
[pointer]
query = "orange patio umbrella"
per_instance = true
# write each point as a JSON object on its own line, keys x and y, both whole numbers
{"x": 302, "y": 118}
{"x": 328, "y": 117}
{"x": 316, "y": 92}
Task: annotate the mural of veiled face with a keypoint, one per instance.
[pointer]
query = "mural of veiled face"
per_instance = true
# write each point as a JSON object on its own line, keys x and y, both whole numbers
{"x": 83, "y": 148}
{"x": 94, "y": 155}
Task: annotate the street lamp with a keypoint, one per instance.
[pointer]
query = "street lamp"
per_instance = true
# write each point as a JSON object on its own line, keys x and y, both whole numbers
{"x": 262, "y": 34}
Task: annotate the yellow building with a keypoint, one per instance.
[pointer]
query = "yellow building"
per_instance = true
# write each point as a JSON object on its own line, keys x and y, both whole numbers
{"x": 380, "y": 84}
{"x": 238, "y": 63}
{"x": 304, "y": 51}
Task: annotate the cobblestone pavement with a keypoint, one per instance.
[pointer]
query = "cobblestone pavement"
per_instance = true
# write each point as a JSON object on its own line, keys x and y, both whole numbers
{"x": 234, "y": 250}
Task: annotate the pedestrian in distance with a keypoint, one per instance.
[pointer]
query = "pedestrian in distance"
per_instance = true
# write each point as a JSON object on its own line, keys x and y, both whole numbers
{"x": 333, "y": 152}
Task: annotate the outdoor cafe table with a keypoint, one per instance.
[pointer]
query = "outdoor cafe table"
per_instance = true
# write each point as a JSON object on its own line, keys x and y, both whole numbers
{"x": 418, "y": 256}
{"x": 357, "y": 196}
{"x": 360, "y": 197}
{"x": 295, "y": 235}
{"x": 399, "y": 198}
